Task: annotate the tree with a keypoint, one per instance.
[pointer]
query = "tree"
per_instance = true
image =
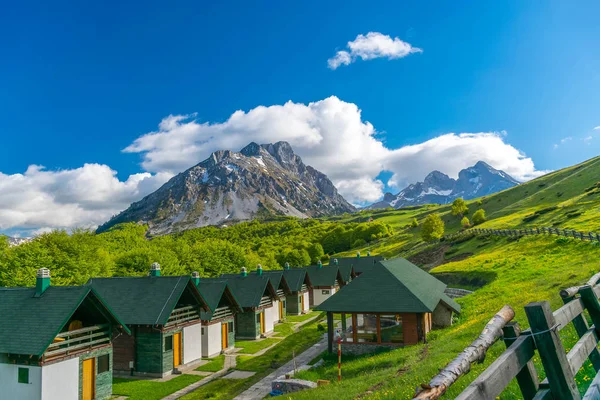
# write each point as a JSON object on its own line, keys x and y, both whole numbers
{"x": 433, "y": 227}
{"x": 479, "y": 217}
{"x": 465, "y": 222}
{"x": 459, "y": 207}
{"x": 414, "y": 223}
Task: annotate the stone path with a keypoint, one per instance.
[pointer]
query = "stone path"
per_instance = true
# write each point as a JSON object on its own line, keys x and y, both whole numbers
{"x": 263, "y": 387}
{"x": 239, "y": 375}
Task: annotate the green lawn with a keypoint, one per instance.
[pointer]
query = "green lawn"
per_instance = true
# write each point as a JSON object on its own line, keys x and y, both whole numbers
{"x": 214, "y": 365}
{"x": 284, "y": 329}
{"x": 148, "y": 390}
{"x": 301, "y": 318}
{"x": 518, "y": 272}
{"x": 254, "y": 346}
{"x": 262, "y": 365}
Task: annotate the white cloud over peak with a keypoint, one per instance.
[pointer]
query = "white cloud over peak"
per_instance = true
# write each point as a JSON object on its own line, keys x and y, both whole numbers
{"x": 329, "y": 135}
{"x": 370, "y": 46}
{"x": 83, "y": 197}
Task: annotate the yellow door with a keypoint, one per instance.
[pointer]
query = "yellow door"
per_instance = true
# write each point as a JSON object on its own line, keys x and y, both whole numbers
{"x": 281, "y": 310}
{"x": 302, "y": 303}
{"x": 89, "y": 379}
{"x": 224, "y": 333}
{"x": 176, "y": 349}
{"x": 262, "y": 322}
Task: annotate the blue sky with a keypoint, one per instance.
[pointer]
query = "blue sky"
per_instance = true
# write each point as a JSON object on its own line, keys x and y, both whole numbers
{"x": 82, "y": 81}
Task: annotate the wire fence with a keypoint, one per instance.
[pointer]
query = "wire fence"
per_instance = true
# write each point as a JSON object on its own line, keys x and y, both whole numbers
{"x": 590, "y": 236}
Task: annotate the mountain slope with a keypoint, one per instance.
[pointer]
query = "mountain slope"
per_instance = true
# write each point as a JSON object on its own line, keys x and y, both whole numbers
{"x": 259, "y": 181}
{"x": 438, "y": 188}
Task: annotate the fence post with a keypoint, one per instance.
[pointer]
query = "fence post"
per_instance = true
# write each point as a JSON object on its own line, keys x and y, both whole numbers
{"x": 590, "y": 301}
{"x": 551, "y": 350}
{"x": 581, "y": 327}
{"x": 527, "y": 378}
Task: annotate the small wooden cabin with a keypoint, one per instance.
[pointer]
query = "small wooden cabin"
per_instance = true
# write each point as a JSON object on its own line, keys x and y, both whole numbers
{"x": 163, "y": 314}
{"x": 56, "y": 342}
{"x": 282, "y": 289}
{"x": 298, "y": 301}
{"x": 256, "y": 295}
{"x": 326, "y": 281}
{"x": 393, "y": 304}
{"x": 218, "y": 327}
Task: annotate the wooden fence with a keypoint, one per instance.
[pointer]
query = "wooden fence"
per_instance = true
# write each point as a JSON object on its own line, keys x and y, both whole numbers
{"x": 591, "y": 236}
{"x": 542, "y": 336}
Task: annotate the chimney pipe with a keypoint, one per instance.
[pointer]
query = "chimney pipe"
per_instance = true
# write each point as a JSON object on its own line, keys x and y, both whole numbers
{"x": 259, "y": 269}
{"x": 244, "y": 272}
{"x": 196, "y": 278}
{"x": 358, "y": 254}
{"x": 42, "y": 281}
{"x": 155, "y": 269}
{"x": 286, "y": 266}
{"x": 368, "y": 254}
{"x": 320, "y": 264}
{"x": 335, "y": 261}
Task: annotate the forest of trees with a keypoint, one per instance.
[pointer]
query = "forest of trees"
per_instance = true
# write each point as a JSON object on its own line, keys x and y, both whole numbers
{"x": 126, "y": 251}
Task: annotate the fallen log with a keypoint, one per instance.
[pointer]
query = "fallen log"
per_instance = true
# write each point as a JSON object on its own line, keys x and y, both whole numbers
{"x": 572, "y": 291}
{"x": 475, "y": 352}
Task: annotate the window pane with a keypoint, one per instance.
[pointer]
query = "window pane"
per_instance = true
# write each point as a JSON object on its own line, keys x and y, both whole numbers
{"x": 230, "y": 327}
{"x": 168, "y": 343}
{"x": 23, "y": 375}
{"x": 324, "y": 291}
{"x": 348, "y": 332}
{"x": 366, "y": 328}
{"x": 391, "y": 329}
{"x": 103, "y": 363}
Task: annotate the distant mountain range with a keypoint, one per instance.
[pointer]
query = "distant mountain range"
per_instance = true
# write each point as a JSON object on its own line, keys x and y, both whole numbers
{"x": 12, "y": 241}
{"x": 476, "y": 181}
{"x": 260, "y": 181}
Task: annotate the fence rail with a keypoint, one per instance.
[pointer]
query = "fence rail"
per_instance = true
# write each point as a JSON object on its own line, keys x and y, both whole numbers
{"x": 542, "y": 337}
{"x": 590, "y": 236}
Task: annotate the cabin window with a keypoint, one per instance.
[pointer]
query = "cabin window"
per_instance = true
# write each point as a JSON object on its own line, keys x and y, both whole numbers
{"x": 23, "y": 375}
{"x": 258, "y": 318}
{"x": 325, "y": 291}
{"x": 202, "y": 331}
{"x": 168, "y": 343}
{"x": 230, "y": 327}
{"x": 391, "y": 328}
{"x": 366, "y": 328}
{"x": 104, "y": 363}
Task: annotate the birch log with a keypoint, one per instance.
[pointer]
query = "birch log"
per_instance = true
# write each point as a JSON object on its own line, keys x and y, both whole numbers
{"x": 475, "y": 352}
{"x": 572, "y": 291}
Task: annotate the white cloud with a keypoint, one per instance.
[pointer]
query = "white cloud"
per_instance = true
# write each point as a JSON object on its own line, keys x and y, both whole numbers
{"x": 82, "y": 197}
{"x": 565, "y": 140}
{"x": 331, "y": 136}
{"x": 370, "y": 46}
{"x": 587, "y": 139}
{"x": 597, "y": 128}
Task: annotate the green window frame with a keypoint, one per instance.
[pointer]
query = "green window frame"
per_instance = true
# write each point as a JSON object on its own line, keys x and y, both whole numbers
{"x": 169, "y": 343}
{"x": 23, "y": 375}
{"x": 104, "y": 363}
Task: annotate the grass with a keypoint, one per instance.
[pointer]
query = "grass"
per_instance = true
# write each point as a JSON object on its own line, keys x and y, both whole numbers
{"x": 149, "y": 390}
{"x": 530, "y": 269}
{"x": 301, "y": 318}
{"x": 254, "y": 346}
{"x": 284, "y": 329}
{"x": 262, "y": 365}
{"x": 214, "y": 365}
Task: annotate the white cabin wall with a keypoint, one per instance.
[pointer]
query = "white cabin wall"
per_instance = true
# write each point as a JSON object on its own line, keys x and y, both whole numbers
{"x": 271, "y": 315}
{"x": 60, "y": 381}
{"x": 211, "y": 340}
{"x": 319, "y": 297}
{"x": 306, "y": 301}
{"x": 192, "y": 343}
{"x": 10, "y": 388}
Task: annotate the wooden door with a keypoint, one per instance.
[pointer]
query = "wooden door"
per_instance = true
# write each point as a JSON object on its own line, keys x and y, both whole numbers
{"x": 281, "y": 310}
{"x": 301, "y": 302}
{"x": 89, "y": 379}
{"x": 176, "y": 349}
{"x": 224, "y": 336}
{"x": 262, "y": 322}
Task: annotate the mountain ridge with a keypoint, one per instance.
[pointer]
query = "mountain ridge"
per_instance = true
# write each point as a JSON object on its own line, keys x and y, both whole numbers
{"x": 478, "y": 180}
{"x": 259, "y": 181}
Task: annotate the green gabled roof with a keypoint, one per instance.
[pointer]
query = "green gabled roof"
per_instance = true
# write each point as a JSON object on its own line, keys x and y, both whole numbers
{"x": 145, "y": 300}
{"x": 295, "y": 278}
{"x": 249, "y": 289}
{"x": 30, "y": 324}
{"x": 346, "y": 271}
{"x": 393, "y": 286}
{"x": 360, "y": 264}
{"x": 325, "y": 276}
{"x": 213, "y": 291}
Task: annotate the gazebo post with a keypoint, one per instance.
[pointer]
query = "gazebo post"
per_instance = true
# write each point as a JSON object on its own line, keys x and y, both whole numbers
{"x": 330, "y": 331}
{"x": 343, "y": 323}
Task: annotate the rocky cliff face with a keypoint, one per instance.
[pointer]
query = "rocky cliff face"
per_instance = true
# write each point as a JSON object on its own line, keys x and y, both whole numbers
{"x": 260, "y": 181}
{"x": 476, "y": 181}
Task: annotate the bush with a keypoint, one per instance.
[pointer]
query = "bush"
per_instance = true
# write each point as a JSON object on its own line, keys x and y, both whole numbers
{"x": 359, "y": 243}
{"x": 459, "y": 207}
{"x": 479, "y": 217}
{"x": 433, "y": 227}
{"x": 465, "y": 223}
{"x": 414, "y": 223}
{"x": 320, "y": 328}
{"x": 562, "y": 240}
